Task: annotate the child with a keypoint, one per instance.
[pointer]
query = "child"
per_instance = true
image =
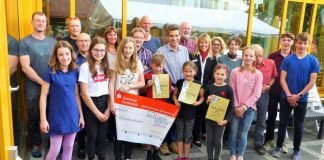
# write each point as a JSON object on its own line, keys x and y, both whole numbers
{"x": 60, "y": 82}
{"x": 186, "y": 116}
{"x": 215, "y": 130}
{"x": 157, "y": 64}
{"x": 127, "y": 77}
{"x": 93, "y": 80}
{"x": 246, "y": 82}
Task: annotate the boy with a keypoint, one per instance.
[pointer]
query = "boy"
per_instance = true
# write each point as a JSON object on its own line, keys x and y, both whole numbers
{"x": 298, "y": 75}
{"x": 157, "y": 65}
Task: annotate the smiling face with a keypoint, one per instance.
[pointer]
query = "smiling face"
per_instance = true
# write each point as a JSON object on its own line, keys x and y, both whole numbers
{"x": 83, "y": 42}
{"x": 139, "y": 39}
{"x": 248, "y": 57}
{"x": 74, "y": 27}
{"x": 111, "y": 38}
{"x": 129, "y": 49}
{"x": 189, "y": 73}
{"x": 216, "y": 46}
{"x": 301, "y": 46}
{"x": 286, "y": 43}
{"x": 98, "y": 52}
{"x": 64, "y": 57}
{"x": 203, "y": 45}
{"x": 174, "y": 38}
{"x": 185, "y": 30}
{"x": 220, "y": 75}
{"x": 233, "y": 47}
{"x": 157, "y": 68}
{"x": 39, "y": 23}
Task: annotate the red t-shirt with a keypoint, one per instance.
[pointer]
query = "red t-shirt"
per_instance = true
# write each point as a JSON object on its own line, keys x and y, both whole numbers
{"x": 149, "y": 90}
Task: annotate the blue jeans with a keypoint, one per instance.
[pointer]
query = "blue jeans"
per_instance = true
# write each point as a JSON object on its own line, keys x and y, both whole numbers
{"x": 239, "y": 131}
{"x": 299, "y": 116}
{"x": 262, "y": 107}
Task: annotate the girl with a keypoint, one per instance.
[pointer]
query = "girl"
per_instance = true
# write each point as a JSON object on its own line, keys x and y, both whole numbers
{"x": 93, "y": 80}
{"x": 215, "y": 130}
{"x": 60, "y": 82}
{"x": 127, "y": 77}
{"x": 218, "y": 46}
{"x": 246, "y": 82}
{"x": 186, "y": 116}
{"x": 205, "y": 63}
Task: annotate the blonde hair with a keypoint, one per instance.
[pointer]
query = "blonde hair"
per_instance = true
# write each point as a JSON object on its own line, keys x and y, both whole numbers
{"x": 121, "y": 65}
{"x": 243, "y": 52}
{"x": 204, "y": 37}
{"x": 54, "y": 62}
{"x": 221, "y": 41}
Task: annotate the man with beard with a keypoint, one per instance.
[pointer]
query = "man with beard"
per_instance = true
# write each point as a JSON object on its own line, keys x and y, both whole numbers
{"x": 34, "y": 52}
{"x": 185, "y": 32}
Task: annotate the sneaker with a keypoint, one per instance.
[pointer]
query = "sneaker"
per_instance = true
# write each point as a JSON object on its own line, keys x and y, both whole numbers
{"x": 269, "y": 145}
{"x": 156, "y": 155}
{"x": 276, "y": 152}
{"x": 81, "y": 153}
{"x": 36, "y": 153}
{"x": 173, "y": 147}
{"x": 197, "y": 143}
{"x": 204, "y": 136}
{"x": 233, "y": 157}
{"x": 164, "y": 150}
{"x": 239, "y": 158}
{"x": 260, "y": 150}
{"x": 296, "y": 155}
{"x": 284, "y": 148}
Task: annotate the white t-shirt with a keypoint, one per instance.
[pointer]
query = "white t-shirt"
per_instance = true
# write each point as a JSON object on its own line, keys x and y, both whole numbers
{"x": 111, "y": 59}
{"x": 98, "y": 85}
{"x": 127, "y": 77}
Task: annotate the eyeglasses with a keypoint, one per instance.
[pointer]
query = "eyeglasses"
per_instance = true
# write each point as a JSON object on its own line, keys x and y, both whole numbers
{"x": 216, "y": 44}
{"x": 99, "y": 50}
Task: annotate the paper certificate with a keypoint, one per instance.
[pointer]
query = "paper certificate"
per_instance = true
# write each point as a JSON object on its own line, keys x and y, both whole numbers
{"x": 143, "y": 120}
{"x": 217, "y": 109}
{"x": 161, "y": 86}
{"x": 189, "y": 92}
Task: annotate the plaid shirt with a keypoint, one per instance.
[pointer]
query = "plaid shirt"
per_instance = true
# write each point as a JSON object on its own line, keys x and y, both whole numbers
{"x": 145, "y": 56}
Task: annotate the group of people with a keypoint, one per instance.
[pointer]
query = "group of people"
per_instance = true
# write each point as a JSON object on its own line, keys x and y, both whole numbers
{"x": 71, "y": 83}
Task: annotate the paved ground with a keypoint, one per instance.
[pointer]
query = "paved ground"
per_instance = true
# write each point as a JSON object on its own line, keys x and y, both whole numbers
{"x": 311, "y": 149}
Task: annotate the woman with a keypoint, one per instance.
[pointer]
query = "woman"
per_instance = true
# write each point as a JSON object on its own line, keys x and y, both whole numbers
{"x": 218, "y": 46}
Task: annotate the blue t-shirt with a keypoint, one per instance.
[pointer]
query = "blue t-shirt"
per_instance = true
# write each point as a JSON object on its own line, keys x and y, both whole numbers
{"x": 153, "y": 44}
{"x": 298, "y": 73}
{"x": 63, "y": 113}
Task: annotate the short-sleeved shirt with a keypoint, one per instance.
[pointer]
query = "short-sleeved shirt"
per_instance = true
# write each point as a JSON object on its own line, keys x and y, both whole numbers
{"x": 189, "y": 44}
{"x": 225, "y": 92}
{"x": 187, "y": 111}
{"x": 145, "y": 56}
{"x": 224, "y": 59}
{"x": 63, "y": 113}
{"x": 268, "y": 70}
{"x": 128, "y": 77}
{"x": 149, "y": 90}
{"x": 39, "y": 52}
{"x": 98, "y": 85}
{"x": 174, "y": 61}
{"x": 153, "y": 44}
{"x": 298, "y": 73}
{"x": 13, "y": 46}
{"x": 72, "y": 42}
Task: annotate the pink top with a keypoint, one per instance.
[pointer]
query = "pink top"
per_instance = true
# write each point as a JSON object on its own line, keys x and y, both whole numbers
{"x": 247, "y": 87}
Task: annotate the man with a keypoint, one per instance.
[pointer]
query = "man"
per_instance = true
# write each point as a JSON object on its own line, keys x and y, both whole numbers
{"x": 83, "y": 43}
{"x": 298, "y": 76}
{"x": 175, "y": 55}
{"x": 286, "y": 41}
{"x": 74, "y": 28}
{"x": 144, "y": 54}
{"x": 13, "y": 48}
{"x": 185, "y": 31}
{"x": 150, "y": 42}
{"x": 269, "y": 72}
{"x": 34, "y": 52}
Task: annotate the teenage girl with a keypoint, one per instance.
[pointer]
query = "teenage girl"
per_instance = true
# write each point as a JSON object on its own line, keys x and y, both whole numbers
{"x": 64, "y": 118}
{"x": 127, "y": 77}
{"x": 215, "y": 130}
{"x": 93, "y": 80}
{"x": 246, "y": 82}
{"x": 186, "y": 116}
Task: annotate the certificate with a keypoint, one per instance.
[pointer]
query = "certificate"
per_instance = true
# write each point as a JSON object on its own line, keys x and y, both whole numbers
{"x": 161, "y": 86}
{"x": 189, "y": 92}
{"x": 217, "y": 109}
{"x": 143, "y": 120}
